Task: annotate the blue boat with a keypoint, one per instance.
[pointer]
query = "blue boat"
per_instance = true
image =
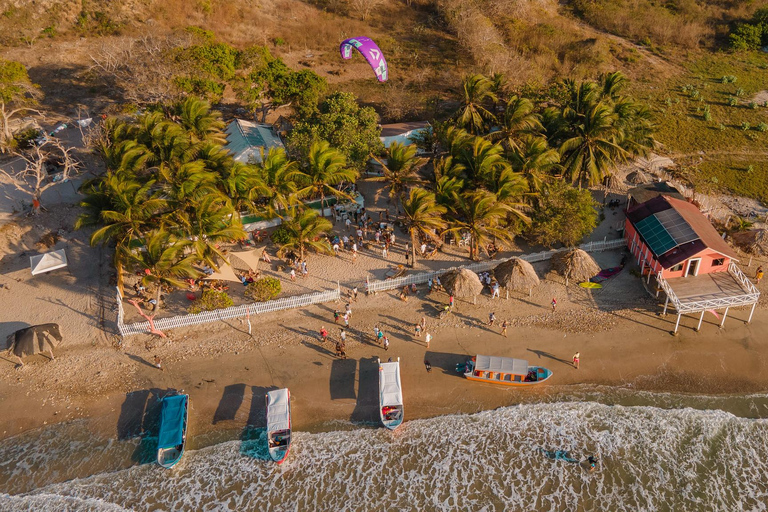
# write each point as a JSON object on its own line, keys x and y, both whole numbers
{"x": 173, "y": 430}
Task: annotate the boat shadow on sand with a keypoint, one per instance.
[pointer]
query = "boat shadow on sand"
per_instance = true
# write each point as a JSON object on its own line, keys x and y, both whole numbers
{"x": 446, "y": 361}
{"x": 253, "y": 438}
{"x": 140, "y": 418}
{"x": 366, "y": 410}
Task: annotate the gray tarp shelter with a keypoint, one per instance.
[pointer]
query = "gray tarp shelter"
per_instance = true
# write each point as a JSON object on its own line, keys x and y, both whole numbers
{"x": 42, "y": 263}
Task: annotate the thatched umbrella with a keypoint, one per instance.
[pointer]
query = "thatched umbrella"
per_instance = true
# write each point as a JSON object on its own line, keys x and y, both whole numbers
{"x": 754, "y": 241}
{"x": 638, "y": 177}
{"x": 575, "y": 264}
{"x": 462, "y": 283}
{"x": 516, "y": 275}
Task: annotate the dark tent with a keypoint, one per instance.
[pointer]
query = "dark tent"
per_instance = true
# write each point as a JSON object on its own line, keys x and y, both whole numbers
{"x": 34, "y": 340}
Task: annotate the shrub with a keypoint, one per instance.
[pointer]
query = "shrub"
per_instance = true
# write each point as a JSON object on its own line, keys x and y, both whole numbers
{"x": 728, "y": 79}
{"x": 732, "y": 101}
{"x": 747, "y": 37}
{"x": 745, "y": 126}
{"x": 762, "y": 127}
{"x": 280, "y": 236}
{"x": 210, "y": 300}
{"x": 264, "y": 289}
{"x": 707, "y": 115}
{"x": 753, "y": 105}
{"x": 739, "y": 92}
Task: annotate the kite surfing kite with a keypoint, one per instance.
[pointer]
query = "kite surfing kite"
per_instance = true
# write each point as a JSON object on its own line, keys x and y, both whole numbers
{"x": 370, "y": 51}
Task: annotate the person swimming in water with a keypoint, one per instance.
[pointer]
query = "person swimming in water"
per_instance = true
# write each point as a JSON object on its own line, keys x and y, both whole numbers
{"x": 592, "y": 462}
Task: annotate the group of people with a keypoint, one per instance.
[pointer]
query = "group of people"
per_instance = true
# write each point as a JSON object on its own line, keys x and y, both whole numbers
{"x": 341, "y": 343}
{"x": 299, "y": 268}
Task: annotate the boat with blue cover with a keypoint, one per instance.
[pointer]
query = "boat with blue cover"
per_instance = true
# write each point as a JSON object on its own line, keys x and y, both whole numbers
{"x": 173, "y": 430}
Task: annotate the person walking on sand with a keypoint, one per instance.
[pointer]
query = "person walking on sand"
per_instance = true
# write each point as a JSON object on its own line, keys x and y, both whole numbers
{"x": 384, "y": 252}
{"x": 386, "y": 343}
{"x": 491, "y": 319}
{"x": 423, "y": 323}
{"x": 348, "y": 309}
{"x": 418, "y": 330}
{"x": 293, "y": 274}
{"x": 554, "y": 304}
{"x": 576, "y": 357}
{"x": 158, "y": 364}
{"x": 450, "y": 301}
{"x": 304, "y": 270}
{"x": 759, "y": 274}
{"x": 428, "y": 338}
{"x": 336, "y": 316}
{"x": 346, "y": 319}
{"x": 495, "y": 291}
{"x": 343, "y": 335}
{"x": 504, "y": 325}
{"x": 324, "y": 334}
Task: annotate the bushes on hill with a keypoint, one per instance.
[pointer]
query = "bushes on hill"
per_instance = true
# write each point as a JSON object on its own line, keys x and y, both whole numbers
{"x": 752, "y": 35}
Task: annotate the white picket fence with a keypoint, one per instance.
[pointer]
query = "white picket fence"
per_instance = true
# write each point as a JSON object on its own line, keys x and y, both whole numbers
{"x": 256, "y": 308}
{"x": 392, "y": 284}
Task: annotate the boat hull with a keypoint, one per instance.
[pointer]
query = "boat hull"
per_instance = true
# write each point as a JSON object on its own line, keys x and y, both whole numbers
{"x": 279, "y": 434}
{"x": 169, "y": 457}
{"x": 509, "y": 380}
{"x": 279, "y": 456}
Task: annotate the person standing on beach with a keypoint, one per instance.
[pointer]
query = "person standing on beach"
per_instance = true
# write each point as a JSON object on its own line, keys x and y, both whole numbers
{"x": 384, "y": 252}
{"x": 158, "y": 364}
{"x": 450, "y": 301}
{"x": 343, "y": 335}
{"x": 348, "y": 222}
{"x": 336, "y": 316}
{"x": 418, "y": 330}
{"x": 386, "y": 343}
{"x": 491, "y": 319}
{"x": 504, "y": 325}
{"x": 428, "y": 338}
{"x": 554, "y": 304}
{"x": 354, "y": 294}
{"x": 576, "y": 357}
{"x": 423, "y": 323}
{"x": 346, "y": 319}
{"x": 495, "y": 294}
{"x": 759, "y": 274}
{"x": 324, "y": 334}
{"x": 293, "y": 274}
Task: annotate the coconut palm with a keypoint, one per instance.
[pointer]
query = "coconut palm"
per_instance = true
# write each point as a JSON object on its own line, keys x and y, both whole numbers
{"x": 400, "y": 170}
{"x": 242, "y": 184}
{"x": 535, "y": 160}
{"x": 326, "y": 167}
{"x": 519, "y": 120}
{"x": 482, "y": 160}
{"x": 278, "y": 173}
{"x": 472, "y": 115}
{"x": 305, "y": 230}
{"x": 480, "y": 214}
{"x": 511, "y": 189}
{"x": 126, "y": 208}
{"x": 592, "y": 149}
{"x": 421, "y": 217}
{"x": 200, "y": 122}
{"x": 208, "y": 222}
{"x": 161, "y": 260}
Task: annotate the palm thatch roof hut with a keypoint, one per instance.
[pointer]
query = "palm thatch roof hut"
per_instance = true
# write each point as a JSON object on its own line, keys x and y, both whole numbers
{"x": 638, "y": 177}
{"x": 575, "y": 265}
{"x": 517, "y": 275}
{"x": 754, "y": 241}
{"x": 462, "y": 283}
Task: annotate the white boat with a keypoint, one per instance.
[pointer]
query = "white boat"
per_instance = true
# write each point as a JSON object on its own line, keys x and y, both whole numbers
{"x": 279, "y": 424}
{"x": 390, "y": 394}
{"x": 505, "y": 370}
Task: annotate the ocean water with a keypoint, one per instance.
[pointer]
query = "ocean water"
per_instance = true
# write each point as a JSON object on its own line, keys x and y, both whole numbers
{"x": 656, "y": 452}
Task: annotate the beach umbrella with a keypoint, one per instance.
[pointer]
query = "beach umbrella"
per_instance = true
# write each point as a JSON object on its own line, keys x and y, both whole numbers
{"x": 462, "y": 283}
{"x": 576, "y": 265}
{"x": 638, "y": 177}
{"x": 225, "y": 273}
{"x": 34, "y": 340}
{"x": 754, "y": 241}
{"x": 516, "y": 275}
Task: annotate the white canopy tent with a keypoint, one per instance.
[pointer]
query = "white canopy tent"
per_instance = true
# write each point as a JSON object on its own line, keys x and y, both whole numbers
{"x": 42, "y": 263}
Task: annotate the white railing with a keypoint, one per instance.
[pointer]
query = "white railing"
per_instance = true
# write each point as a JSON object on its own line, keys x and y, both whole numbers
{"x": 226, "y": 313}
{"x": 391, "y": 284}
{"x": 696, "y": 306}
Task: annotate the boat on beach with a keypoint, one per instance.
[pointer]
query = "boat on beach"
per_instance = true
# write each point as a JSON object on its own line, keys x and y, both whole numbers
{"x": 279, "y": 424}
{"x": 390, "y": 394}
{"x": 173, "y": 430}
{"x": 505, "y": 370}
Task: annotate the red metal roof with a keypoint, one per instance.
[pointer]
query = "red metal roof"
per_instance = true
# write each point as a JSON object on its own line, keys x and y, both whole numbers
{"x": 706, "y": 235}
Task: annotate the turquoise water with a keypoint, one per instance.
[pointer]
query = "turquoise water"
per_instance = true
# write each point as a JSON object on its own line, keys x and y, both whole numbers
{"x": 656, "y": 452}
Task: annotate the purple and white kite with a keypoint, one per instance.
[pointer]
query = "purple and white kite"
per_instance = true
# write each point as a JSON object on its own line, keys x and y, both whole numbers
{"x": 370, "y": 51}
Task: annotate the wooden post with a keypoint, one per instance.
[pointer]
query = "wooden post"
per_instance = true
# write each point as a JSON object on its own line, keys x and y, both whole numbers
{"x": 650, "y": 271}
{"x": 677, "y": 323}
{"x": 701, "y": 318}
{"x": 722, "y": 322}
{"x": 752, "y": 312}
{"x": 666, "y": 303}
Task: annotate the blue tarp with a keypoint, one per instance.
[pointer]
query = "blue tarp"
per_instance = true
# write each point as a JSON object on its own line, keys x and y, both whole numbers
{"x": 172, "y": 421}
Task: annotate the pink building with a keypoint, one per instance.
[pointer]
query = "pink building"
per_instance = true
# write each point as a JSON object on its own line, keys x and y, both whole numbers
{"x": 673, "y": 235}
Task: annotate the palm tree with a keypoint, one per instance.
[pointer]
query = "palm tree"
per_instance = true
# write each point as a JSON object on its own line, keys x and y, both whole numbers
{"x": 201, "y": 123}
{"x": 535, "y": 160}
{"x": 306, "y": 231}
{"x": 401, "y": 170}
{"x": 326, "y": 166}
{"x": 480, "y": 214}
{"x": 278, "y": 174}
{"x": 126, "y": 207}
{"x": 209, "y": 222}
{"x": 162, "y": 255}
{"x": 421, "y": 217}
{"x": 511, "y": 188}
{"x": 592, "y": 148}
{"x": 482, "y": 160}
{"x": 243, "y": 185}
{"x": 519, "y": 119}
{"x": 472, "y": 115}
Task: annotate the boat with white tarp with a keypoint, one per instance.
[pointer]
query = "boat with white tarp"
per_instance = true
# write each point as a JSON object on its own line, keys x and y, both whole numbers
{"x": 390, "y": 394}
{"x": 279, "y": 424}
{"x": 505, "y": 370}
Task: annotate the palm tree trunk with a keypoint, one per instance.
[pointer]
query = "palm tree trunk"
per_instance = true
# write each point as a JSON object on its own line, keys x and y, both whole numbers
{"x": 157, "y": 306}
{"x": 322, "y": 205}
{"x": 413, "y": 249}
